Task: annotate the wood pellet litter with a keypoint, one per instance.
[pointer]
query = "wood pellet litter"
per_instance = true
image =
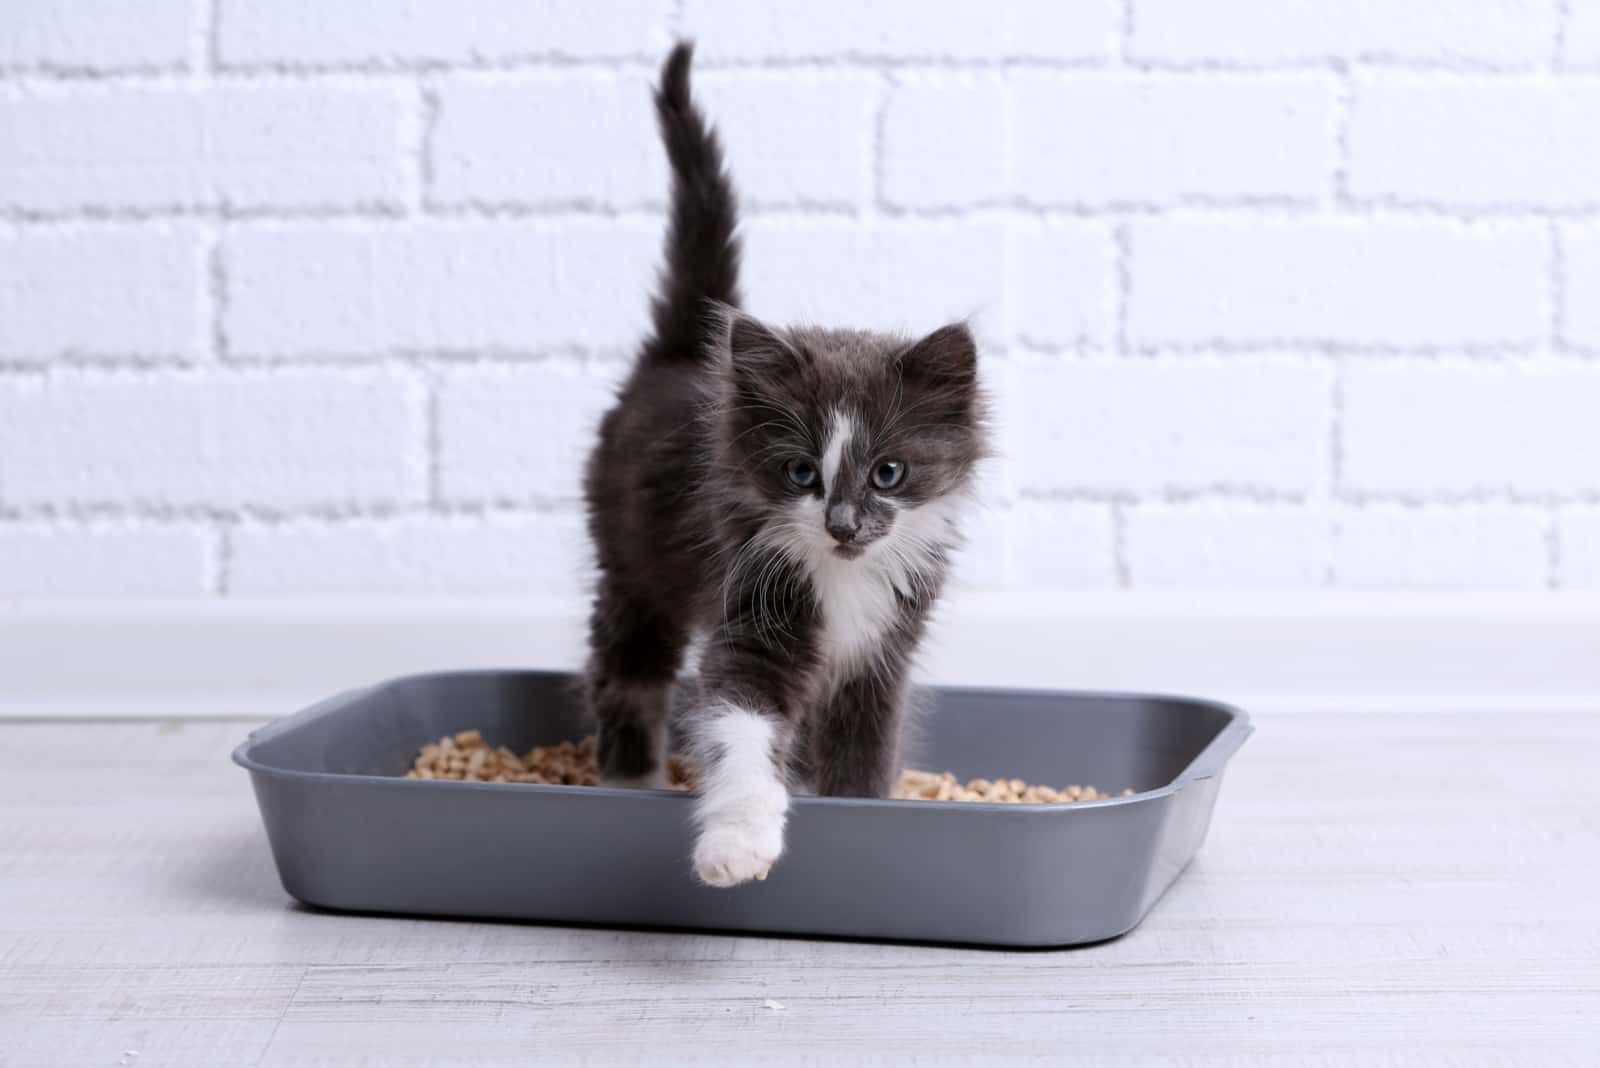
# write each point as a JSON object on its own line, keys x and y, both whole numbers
{"x": 466, "y": 757}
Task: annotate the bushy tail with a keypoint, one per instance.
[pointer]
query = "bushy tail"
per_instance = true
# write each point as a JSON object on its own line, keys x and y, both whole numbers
{"x": 702, "y": 252}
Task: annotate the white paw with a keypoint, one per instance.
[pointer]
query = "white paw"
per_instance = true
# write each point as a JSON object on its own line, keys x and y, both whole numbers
{"x": 737, "y": 851}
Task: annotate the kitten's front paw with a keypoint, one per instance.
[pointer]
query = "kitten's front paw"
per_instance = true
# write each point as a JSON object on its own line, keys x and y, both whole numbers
{"x": 728, "y": 854}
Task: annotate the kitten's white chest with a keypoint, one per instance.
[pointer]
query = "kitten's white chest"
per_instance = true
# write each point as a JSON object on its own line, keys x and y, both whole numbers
{"x": 858, "y": 606}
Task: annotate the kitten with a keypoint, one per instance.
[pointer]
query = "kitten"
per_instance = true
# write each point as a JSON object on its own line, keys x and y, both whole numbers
{"x": 789, "y": 494}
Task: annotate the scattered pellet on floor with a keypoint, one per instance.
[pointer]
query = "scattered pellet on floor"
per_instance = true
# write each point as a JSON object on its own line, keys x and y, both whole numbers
{"x": 466, "y": 757}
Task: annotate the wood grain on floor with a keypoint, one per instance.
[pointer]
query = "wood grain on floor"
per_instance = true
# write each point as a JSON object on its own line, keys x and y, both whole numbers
{"x": 1402, "y": 888}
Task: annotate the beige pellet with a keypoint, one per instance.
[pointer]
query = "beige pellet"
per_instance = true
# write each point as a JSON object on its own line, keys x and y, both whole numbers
{"x": 465, "y": 756}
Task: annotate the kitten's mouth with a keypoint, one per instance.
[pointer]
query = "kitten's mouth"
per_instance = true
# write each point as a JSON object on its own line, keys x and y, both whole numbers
{"x": 849, "y": 552}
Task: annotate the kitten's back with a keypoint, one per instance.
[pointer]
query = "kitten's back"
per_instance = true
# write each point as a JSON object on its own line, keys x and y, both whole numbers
{"x": 643, "y": 476}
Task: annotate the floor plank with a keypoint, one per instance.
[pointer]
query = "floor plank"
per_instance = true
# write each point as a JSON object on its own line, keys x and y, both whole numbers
{"x": 1385, "y": 888}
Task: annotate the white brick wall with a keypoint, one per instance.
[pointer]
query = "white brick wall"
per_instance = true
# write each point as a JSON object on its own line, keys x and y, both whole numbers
{"x": 136, "y": 149}
{"x": 1063, "y": 284}
{"x": 298, "y": 296}
{"x": 100, "y": 36}
{"x": 1442, "y": 548}
{"x": 378, "y": 289}
{"x": 1580, "y": 321}
{"x": 102, "y": 292}
{"x": 1475, "y": 142}
{"x": 1355, "y": 282}
{"x": 904, "y": 29}
{"x": 316, "y": 35}
{"x": 1228, "y": 546}
{"x": 284, "y": 442}
{"x": 1581, "y": 44}
{"x": 898, "y": 274}
{"x": 1100, "y": 140}
{"x": 1114, "y": 426}
{"x": 90, "y": 558}
{"x": 566, "y": 138}
{"x": 488, "y": 554}
{"x": 1422, "y": 32}
{"x": 1061, "y": 545}
{"x": 520, "y": 434}
{"x": 924, "y": 119}
{"x": 820, "y": 156}
{"x": 1578, "y": 541}
{"x": 1463, "y": 428}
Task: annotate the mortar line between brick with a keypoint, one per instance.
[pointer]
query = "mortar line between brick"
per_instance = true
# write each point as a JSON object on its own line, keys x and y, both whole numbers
{"x": 215, "y": 289}
{"x": 1558, "y": 288}
{"x": 1229, "y": 209}
{"x": 222, "y": 561}
{"x": 1343, "y": 93}
{"x": 1122, "y": 288}
{"x": 877, "y": 196}
{"x": 1552, "y": 537}
{"x": 1336, "y": 443}
{"x": 1558, "y": 47}
{"x": 432, "y": 431}
{"x": 213, "y": 286}
{"x": 1119, "y": 544}
{"x": 1448, "y": 500}
{"x": 1330, "y": 572}
{"x": 424, "y": 119}
{"x": 503, "y": 508}
{"x": 373, "y": 511}
{"x": 280, "y": 72}
{"x": 1284, "y": 353}
{"x": 1122, "y": 39}
{"x": 259, "y": 365}
{"x": 202, "y": 57}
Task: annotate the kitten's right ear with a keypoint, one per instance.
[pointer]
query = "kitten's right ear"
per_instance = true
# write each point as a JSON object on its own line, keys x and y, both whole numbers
{"x": 757, "y": 350}
{"x": 947, "y": 357}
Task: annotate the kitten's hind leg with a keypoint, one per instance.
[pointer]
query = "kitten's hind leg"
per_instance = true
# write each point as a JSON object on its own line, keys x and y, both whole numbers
{"x": 634, "y": 657}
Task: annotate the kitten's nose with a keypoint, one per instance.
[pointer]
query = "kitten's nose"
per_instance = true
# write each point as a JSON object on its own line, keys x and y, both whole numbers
{"x": 842, "y": 523}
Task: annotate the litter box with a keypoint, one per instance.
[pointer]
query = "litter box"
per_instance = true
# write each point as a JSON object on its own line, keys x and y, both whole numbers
{"x": 348, "y": 832}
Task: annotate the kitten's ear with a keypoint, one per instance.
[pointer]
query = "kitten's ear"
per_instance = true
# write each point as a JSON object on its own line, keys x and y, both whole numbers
{"x": 757, "y": 350}
{"x": 947, "y": 357}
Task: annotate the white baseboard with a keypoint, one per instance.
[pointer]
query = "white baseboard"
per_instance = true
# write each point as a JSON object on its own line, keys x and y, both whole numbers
{"x": 256, "y": 658}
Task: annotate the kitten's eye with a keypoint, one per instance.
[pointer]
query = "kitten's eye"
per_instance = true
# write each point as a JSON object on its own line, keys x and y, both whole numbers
{"x": 802, "y": 473}
{"x": 888, "y": 474}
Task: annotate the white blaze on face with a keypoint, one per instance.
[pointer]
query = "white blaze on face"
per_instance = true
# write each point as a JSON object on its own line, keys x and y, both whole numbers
{"x": 841, "y": 428}
{"x": 856, "y": 600}
{"x": 858, "y": 597}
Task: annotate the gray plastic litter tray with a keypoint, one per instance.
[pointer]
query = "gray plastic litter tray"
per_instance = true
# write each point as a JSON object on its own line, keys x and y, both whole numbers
{"x": 348, "y": 833}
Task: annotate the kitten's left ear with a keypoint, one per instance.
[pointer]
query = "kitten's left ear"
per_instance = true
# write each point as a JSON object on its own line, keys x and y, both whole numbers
{"x": 947, "y": 357}
{"x": 757, "y": 350}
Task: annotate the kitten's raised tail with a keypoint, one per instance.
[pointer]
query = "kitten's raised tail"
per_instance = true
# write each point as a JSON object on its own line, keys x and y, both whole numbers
{"x": 702, "y": 251}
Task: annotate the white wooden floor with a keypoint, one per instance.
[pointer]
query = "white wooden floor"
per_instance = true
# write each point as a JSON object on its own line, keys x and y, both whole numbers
{"x": 1404, "y": 888}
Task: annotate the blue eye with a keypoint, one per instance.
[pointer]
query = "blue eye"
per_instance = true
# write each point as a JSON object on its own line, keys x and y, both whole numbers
{"x": 888, "y": 474}
{"x": 802, "y": 473}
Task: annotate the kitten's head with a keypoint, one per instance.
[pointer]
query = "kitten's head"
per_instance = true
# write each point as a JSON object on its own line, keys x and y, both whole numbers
{"x": 856, "y": 446}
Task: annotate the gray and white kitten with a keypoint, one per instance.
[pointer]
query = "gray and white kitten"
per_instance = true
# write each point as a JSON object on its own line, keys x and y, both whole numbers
{"x": 791, "y": 495}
